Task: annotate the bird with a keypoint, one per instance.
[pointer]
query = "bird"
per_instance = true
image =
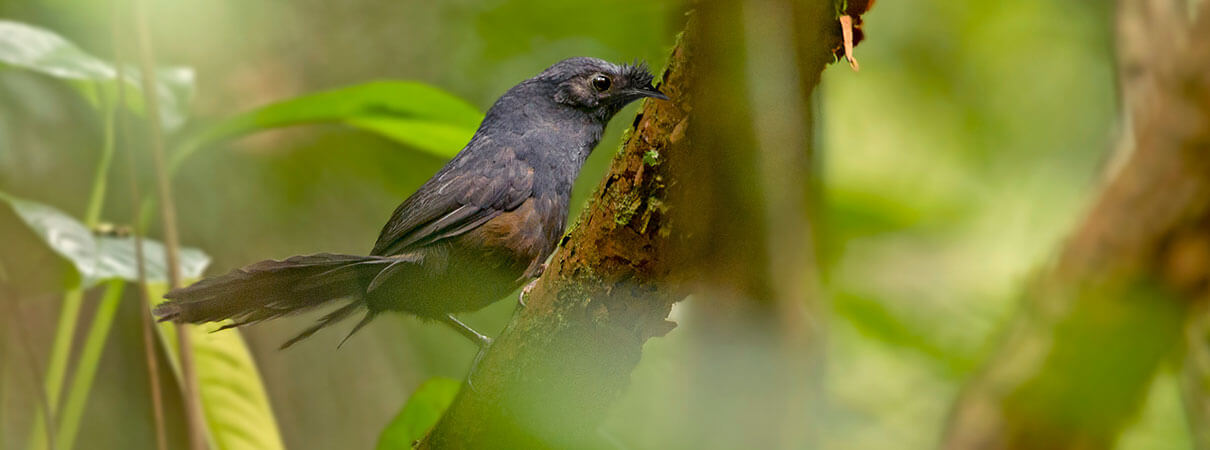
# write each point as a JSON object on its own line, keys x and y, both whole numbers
{"x": 480, "y": 228}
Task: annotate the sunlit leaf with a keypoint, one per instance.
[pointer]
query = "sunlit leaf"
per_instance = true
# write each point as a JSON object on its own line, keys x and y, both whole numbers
{"x": 42, "y": 51}
{"x": 441, "y": 139}
{"x": 117, "y": 259}
{"x": 96, "y": 258}
{"x": 421, "y": 412}
{"x": 233, "y": 399}
{"x": 415, "y": 114}
{"x": 58, "y": 231}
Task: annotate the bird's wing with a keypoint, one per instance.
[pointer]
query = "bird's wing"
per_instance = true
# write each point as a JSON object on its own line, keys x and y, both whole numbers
{"x": 464, "y": 195}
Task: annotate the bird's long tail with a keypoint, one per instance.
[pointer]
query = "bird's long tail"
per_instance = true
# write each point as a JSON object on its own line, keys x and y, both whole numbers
{"x": 272, "y": 289}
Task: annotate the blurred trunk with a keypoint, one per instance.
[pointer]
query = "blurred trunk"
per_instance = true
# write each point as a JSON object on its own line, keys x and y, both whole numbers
{"x": 1078, "y": 362}
{"x": 756, "y": 328}
{"x": 1195, "y": 380}
{"x": 713, "y": 206}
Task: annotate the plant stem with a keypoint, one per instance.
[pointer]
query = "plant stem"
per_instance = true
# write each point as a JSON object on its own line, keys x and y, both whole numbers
{"x": 65, "y": 331}
{"x": 97, "y": 199}
{"x": 61, "y": 348}
{"x": 86, "y": 366}
{"x": 43, "y": 436}
{"x": 189, "y": 389}
{"x": 149, "y": 349}
{"x": 153, "y": 366}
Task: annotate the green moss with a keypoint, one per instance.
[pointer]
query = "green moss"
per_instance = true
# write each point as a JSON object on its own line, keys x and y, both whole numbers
{"x": 625, "y": 204}
{"x": 651, "y": 158}
{"x": 627, "y": 209}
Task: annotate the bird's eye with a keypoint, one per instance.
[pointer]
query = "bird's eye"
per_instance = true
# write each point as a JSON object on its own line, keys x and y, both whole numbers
{"x": 601, "y": 83}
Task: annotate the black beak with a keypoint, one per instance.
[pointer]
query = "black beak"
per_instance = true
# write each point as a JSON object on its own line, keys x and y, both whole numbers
{"x": 650, "y": 91}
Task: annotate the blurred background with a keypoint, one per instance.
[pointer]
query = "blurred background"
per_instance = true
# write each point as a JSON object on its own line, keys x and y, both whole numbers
{"x": 953, "y": 165}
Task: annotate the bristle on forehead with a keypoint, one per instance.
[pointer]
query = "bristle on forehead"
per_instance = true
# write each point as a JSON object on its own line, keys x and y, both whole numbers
{"x": 637, "y": 72}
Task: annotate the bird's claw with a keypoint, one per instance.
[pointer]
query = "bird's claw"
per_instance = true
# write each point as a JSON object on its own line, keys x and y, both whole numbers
{"x": 525, "y": 292}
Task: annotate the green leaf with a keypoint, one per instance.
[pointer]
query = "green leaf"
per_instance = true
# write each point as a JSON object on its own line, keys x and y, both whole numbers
{"x": 39, "y": 50}
{"x": 412, "y": 113}
{"x": 95, "y": 258}
{"x": 116, "y": 259}
{"x": 43, "y": 51}
{"x": 438, "y": 138}
{"x": 233, "y": 399}
{"x": 420, "y": 413}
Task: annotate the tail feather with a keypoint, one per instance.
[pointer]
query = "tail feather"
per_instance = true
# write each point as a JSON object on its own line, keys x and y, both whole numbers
{"x": 330, "y": 318}
{"x": 364, "y": 320}
{"x": 277, "y": 288}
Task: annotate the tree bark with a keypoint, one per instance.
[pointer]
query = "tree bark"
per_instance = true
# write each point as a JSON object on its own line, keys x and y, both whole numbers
{"x": 548, "y": 379}
{"x": 1097, "y": 325}
{"x": 714, "y": 205}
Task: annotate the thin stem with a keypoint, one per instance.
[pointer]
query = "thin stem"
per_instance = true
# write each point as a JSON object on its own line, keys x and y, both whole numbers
{"x": 44, "y": 435}
{"x": 69, "y": 315}
{"x": 60, "y": 351}
{"x": 153, "y": 366}
{"x": 168, "y": 221}
{"x": 86, "y": 366}
{"x": 149, "y": 350}
{"x": 100, "y": 180}
{"x": 4, "y": 387}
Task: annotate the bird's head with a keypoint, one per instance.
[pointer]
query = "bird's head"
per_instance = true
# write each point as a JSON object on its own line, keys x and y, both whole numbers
{"x": 597, "y": 86}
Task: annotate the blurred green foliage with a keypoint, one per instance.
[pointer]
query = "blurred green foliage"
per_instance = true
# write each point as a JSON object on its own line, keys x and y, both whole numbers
{"x": 233, "y": 401}
{"x": 94, "y": 258}
{"x": 43, "y": 51}
{"x": 953, "y": 164}
{"x": 414, "y": 114}
{"x": 424, "y": 407}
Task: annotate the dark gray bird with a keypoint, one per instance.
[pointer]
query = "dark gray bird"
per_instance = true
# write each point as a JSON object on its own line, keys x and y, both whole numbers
{"x": 479, "y": 229}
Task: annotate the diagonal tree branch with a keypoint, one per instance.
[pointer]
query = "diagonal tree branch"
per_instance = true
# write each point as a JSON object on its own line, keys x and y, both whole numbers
{"x": 1101, "y": 321}
{"x": 722, "y": 217}
{"x": 550, "y": 376}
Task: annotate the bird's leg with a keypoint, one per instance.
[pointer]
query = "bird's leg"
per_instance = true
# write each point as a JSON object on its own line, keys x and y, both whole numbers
{"x": 482, "y": 341}
{"x": 478, "y": 338}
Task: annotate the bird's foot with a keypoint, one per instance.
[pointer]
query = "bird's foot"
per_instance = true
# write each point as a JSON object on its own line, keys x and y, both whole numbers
{"x": 535, "y": 275}
{"x": 525, "y": 292}
{"x": 470, "y": 373}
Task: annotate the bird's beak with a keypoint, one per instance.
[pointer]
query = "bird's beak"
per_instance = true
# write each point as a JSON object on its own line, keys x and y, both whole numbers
{"x": 650, "y": 91}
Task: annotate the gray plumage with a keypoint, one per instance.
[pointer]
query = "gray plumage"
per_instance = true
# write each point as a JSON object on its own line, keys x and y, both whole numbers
{"x": 474, "y": 232}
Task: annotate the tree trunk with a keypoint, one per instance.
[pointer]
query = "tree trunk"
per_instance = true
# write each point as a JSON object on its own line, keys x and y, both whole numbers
{"x": 714, "y": 206}
{"x": 1077, "y": 364}
{"x": 549, "y": 378}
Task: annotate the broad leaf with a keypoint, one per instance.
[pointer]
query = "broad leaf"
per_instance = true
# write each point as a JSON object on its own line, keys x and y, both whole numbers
{"x": 415, "y": 114}
{"x": 233, "y": 399}
{"x": 95, "y": 258}
{"x": 421, "y": 412}
{"x": 117, "y": 259}
{"x": 40, "y": 50}
{"x": 441, "y": 139}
